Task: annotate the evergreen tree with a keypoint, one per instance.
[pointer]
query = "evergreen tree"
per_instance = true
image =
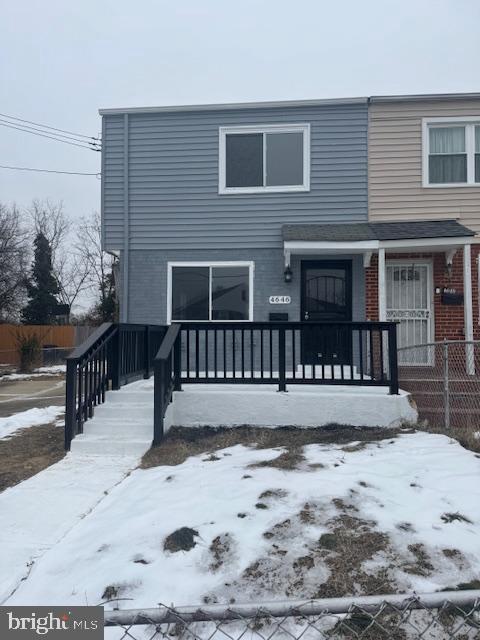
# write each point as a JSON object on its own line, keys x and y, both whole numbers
{"x": 107, "y": 307}
{"x": 42, "y": 287}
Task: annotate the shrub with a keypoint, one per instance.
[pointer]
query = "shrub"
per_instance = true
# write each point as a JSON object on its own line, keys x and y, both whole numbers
{"x": 29, "y": 347}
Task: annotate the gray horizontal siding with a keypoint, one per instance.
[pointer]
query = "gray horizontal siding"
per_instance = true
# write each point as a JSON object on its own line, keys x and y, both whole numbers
{"x": 173, "y": 199}
{"x": 113, "y": 182}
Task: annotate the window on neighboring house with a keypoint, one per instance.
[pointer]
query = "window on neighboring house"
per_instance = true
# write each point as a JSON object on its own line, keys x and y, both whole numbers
{"x": 263, "y": 159}
{"x": 214, "y": 291}
{"x": 452, "y": 153}
{"x": 477, "y": 153}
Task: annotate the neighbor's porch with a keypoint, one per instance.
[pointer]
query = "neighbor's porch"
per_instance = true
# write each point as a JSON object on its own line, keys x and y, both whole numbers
{"x": 417, "y": 273}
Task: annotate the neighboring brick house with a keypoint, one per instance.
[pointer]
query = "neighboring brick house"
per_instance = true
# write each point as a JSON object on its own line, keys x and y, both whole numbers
{"x": 256, "y": 212}
{"x": 424, "y": 165}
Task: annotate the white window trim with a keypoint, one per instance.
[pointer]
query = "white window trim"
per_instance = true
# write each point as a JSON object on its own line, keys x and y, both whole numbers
{"x": 266, "y": 128}
{"x": 469, "y": 123}
{"x": 251, "y": 269}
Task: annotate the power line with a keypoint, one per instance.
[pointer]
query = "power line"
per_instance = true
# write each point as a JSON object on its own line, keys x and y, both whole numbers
{"x": 29, "y": 129}
{"x": 75, "y": 144}
{"x": 45, "y": 126}
{"x": 71, "y": 173}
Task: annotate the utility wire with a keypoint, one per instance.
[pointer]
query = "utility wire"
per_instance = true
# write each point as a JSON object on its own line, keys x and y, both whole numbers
{"x": 57, "y": 135}
{"x": 71, "y": 173}
{"x": 45, "y": 126}
{"x": 75, "y": 144}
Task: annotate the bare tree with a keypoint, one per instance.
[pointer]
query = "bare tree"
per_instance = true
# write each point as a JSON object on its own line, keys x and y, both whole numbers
{"x": 70, "y": 268}
{"x": 100, "y": 265}
{"x": 14, "y": 254}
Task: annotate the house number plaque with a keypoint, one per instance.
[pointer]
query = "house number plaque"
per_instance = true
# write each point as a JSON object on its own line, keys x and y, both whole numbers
{"x": 280, "y": 299}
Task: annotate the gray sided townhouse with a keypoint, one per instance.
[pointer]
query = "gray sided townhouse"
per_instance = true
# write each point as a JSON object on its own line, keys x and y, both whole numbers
{"x": 258, "y": 212}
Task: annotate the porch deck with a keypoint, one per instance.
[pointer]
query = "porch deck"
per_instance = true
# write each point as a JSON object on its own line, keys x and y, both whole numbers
{"x": 229, "y": 374}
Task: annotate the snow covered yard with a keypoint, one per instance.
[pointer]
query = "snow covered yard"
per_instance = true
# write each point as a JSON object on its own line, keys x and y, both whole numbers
{"x": 385, "y": 513}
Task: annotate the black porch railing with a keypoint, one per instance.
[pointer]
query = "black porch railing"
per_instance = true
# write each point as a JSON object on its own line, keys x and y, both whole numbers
{"x": 281, "y": 353}
{"x": 352, "y": 353}
{"x": 112, "y": 356}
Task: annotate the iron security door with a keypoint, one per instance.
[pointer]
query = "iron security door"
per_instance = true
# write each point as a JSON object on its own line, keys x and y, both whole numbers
{"x": 326, "y": 297}
{"x": 409, "y": 302}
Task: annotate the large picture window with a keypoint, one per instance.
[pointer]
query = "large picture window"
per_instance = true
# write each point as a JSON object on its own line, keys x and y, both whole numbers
{"x": 262, "y": 159}
{"x": 451, "y": 152}
{"x": 215, "y": 291}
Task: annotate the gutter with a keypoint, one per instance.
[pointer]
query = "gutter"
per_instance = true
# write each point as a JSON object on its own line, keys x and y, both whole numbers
{"x": 237, "y": 105}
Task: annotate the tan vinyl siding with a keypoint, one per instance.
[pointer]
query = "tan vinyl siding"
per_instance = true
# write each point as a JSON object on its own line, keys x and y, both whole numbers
{"x": 395, "y": 165}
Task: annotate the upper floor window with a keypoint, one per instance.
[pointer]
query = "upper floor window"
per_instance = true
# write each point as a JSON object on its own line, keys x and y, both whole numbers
{"x": 451, "y": 154}
{"x": 270, "y": 158}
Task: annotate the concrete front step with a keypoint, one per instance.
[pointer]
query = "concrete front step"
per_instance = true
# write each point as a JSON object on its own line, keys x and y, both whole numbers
{"x": 94, "y": 446}
{"x": 122, "y": 426}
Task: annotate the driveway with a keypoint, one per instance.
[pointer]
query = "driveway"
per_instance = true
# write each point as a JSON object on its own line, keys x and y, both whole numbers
{"x": 20, "y": 395}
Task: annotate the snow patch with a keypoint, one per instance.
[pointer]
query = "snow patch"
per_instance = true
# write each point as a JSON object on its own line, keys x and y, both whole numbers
{"x": 37, "y": 373}
{"x": 29, "y": 418}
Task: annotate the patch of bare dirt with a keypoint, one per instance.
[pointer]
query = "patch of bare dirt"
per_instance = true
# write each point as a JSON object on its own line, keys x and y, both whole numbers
{"x": 220, "y": 549}
{"x": 273, "y": 493}
{"x": 28, "y": 452}
{"x": 289, "y": 460}
{"x": 350, "y": 542}
{"x": 182, "y": 442}
{"x": 421, "y": 566}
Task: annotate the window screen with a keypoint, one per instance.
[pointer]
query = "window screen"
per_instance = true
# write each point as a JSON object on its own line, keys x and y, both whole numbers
{"x": 244, "y": 160}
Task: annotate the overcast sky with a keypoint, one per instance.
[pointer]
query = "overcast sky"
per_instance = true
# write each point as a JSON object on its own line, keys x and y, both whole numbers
{"x": 61, "y": 60}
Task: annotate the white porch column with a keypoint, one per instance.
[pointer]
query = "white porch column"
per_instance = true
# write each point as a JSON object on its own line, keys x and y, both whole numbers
{"x": 382, "y": 286}
{"x": 468, "y": 307}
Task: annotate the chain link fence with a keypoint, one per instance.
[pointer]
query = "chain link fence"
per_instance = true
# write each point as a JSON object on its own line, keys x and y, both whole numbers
{"x": 439, "y": 616}
{"x": 444, "y": 379}
{"x": 48, "y": 357}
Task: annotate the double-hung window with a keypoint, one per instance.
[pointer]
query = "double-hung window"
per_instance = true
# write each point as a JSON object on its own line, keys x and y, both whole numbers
{"x": 269, "y": 158}
{"x": 451, "y": 153}
{"x": 210, "y": 291}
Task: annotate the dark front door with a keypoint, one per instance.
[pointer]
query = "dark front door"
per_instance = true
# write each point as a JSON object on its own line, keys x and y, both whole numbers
{"x": 326, "y": 297}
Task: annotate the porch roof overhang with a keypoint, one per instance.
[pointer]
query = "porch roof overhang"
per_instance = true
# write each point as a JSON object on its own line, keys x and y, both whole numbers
{"x": 369, "y": 237}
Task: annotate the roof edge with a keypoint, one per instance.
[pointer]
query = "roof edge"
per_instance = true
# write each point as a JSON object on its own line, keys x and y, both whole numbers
{"x": 423, "y": 97}
{"x": 236, "y": 105}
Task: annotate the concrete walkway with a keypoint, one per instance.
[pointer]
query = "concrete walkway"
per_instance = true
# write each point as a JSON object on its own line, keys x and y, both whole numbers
{"x": 37, "y": 513}
{"x": 20, "y": 395}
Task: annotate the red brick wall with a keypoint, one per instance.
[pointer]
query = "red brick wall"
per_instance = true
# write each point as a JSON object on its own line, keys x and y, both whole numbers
{"x": 449, "y": 319}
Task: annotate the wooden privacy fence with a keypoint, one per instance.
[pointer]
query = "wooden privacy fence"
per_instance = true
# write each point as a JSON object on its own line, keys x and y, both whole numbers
{"x": 50, "y": 336}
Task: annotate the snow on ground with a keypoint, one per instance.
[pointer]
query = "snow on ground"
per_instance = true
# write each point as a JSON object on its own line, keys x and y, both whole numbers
{"x": 404, "y": 512}
{"x": 29, "y": 418}
{"x": 37, "y": 513}
{"x": 36, "y": 373}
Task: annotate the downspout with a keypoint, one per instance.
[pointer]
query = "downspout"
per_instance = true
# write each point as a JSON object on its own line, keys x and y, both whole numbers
{"x": 126, "y": 226}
